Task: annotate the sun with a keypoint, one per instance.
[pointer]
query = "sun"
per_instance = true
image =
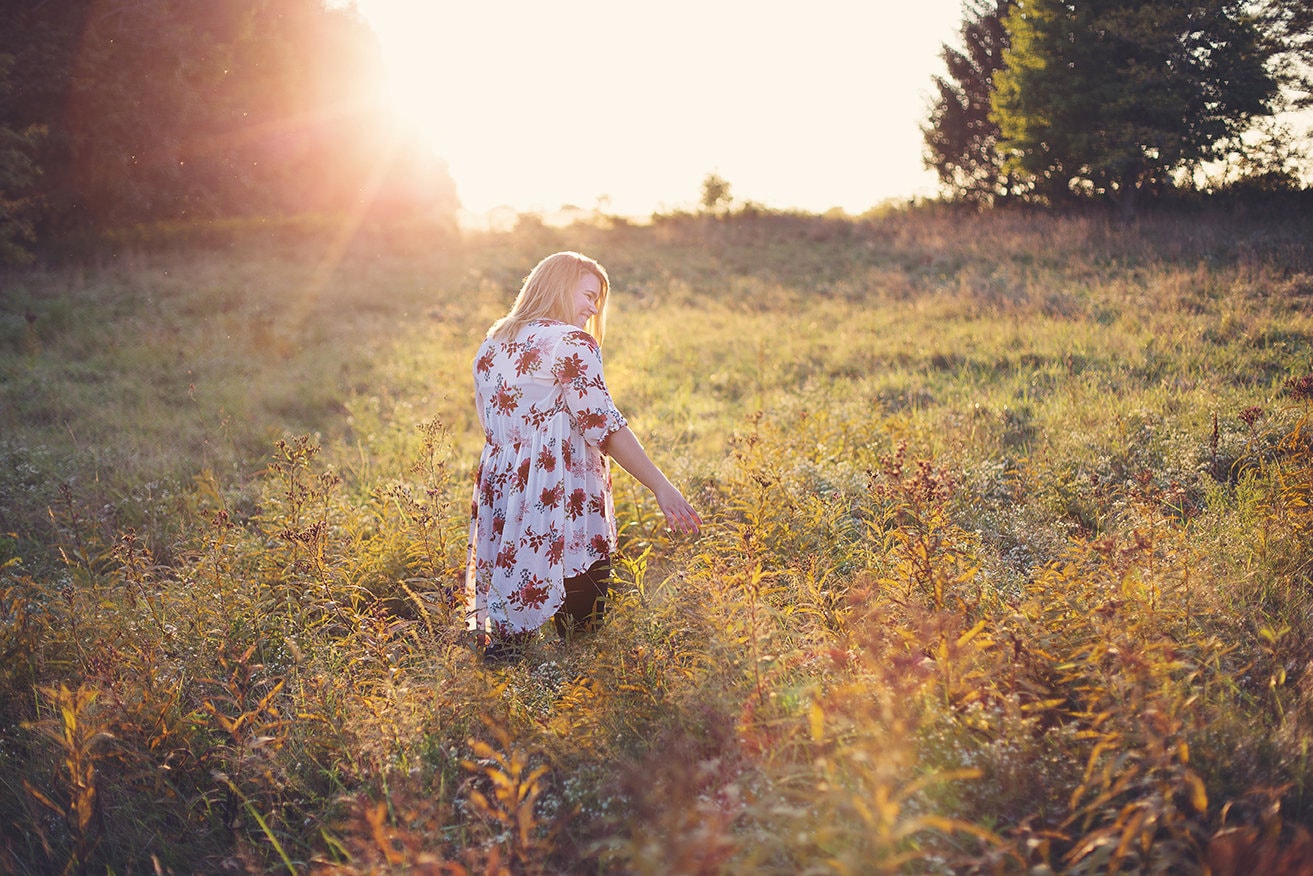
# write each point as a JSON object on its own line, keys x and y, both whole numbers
{"x": 405, "y": 32}
{"x": 463, "y": 100}
{"x": 488, "y": 99}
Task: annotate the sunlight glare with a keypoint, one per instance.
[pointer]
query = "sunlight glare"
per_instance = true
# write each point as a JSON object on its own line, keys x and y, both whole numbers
{"x": 535, "y": 106}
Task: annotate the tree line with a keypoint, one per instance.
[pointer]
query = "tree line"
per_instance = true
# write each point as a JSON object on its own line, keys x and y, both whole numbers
{"x": 117, "y": 113}
{"x": 1055, "y": 101}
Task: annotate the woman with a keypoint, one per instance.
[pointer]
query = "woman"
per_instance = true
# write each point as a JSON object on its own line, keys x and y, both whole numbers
{"x": 542, "y": 523}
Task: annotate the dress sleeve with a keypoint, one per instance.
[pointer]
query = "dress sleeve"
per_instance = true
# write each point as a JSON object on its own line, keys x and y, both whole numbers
{"x": 577, "y": 367}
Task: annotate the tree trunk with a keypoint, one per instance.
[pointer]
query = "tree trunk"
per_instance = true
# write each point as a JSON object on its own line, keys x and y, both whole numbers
{"x": 1130, "y": 190}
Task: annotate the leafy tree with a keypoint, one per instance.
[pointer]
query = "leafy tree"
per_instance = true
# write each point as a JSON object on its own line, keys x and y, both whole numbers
{"x": 40, "y": 40}
{"x": 1291, "y": 26}
{"x": 18, "y": 174}
{"x": 1103, "y": 97}
{"x": 960, "y": 137}
{"x": 181, "y": 110}
{"x": 175, "y": 110}
{"x": 716, "y": 196}
{"x": 1267, "y": 164}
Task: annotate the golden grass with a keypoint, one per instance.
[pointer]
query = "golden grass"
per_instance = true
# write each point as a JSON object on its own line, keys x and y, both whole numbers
{"x": 1006, "y": 567}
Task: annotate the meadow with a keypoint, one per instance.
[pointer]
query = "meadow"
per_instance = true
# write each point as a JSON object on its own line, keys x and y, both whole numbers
{"x": 1007, "y": 564}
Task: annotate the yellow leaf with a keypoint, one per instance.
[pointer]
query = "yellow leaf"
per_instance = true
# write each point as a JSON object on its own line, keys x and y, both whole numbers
{"x": 480, "y": 802}
{"x": 1039, "y": 705}
{"x": 816, "y": 717}
{"x": 887, "y": 808}
{"x": 950, "y": 826}
{"x": 483, "y": 749}
{"x": 42, "y": 798}
{"x": 1198, "y": 795}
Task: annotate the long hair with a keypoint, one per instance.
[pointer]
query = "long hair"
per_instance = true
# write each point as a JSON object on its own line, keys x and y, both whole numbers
{"x": 546, "y": 294}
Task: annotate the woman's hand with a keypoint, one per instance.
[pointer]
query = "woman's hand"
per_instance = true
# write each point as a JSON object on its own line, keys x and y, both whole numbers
{"x": 623, "y": 447}
{"x": 680, "y": 515}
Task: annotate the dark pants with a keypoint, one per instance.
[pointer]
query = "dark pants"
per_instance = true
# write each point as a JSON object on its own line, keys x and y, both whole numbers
{"x": 585, "y": 600}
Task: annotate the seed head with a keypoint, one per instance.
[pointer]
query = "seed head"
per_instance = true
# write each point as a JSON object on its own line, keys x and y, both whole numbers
{"x": 1301, "y": 387}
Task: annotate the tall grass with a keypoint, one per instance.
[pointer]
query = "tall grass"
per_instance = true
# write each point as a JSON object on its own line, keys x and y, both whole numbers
{"x": 1006, "y": 567}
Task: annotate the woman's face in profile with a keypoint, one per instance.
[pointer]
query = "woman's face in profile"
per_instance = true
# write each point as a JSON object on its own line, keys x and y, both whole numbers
{"x": 584, "y": 299}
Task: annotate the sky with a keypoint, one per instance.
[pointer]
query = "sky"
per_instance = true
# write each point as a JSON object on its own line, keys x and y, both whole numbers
{"x": 628, "y": 106}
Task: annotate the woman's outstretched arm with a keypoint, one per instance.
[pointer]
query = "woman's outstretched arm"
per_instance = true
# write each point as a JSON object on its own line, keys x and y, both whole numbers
{"x": 622, "y": 446}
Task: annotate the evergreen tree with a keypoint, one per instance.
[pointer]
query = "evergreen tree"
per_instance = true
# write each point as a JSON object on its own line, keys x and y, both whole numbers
{"x": 1101, "y": 97}
{"x": 960, "y": 137}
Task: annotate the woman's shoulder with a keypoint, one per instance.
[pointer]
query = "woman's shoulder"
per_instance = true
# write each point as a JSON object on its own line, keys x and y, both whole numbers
{"x": 555, "y": 332}
{"x": 543, "y": 327}
{"x": 576, "y": 336}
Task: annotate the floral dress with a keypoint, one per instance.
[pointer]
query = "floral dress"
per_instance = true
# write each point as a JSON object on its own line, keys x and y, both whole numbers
{"x": 542, "y": 508}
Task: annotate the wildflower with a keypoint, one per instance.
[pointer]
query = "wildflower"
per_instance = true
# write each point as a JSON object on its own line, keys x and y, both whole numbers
{"x": 1301, "y": 387}
{"x": 1251, "y": 415}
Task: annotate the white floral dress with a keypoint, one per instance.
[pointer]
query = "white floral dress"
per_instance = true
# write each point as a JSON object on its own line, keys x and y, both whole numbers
{"x": 542, "y": 508}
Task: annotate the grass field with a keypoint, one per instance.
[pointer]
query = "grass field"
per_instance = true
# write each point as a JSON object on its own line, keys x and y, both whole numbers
{"x": 1007, "y": 564}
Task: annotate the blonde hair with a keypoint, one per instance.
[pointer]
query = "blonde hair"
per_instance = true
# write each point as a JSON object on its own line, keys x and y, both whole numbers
{"x": 547, "y": 294}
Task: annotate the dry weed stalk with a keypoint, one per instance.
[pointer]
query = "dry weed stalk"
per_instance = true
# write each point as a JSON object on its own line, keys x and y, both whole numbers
{"x": 79, "y": 738}
{"x": 505, "y": 789}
